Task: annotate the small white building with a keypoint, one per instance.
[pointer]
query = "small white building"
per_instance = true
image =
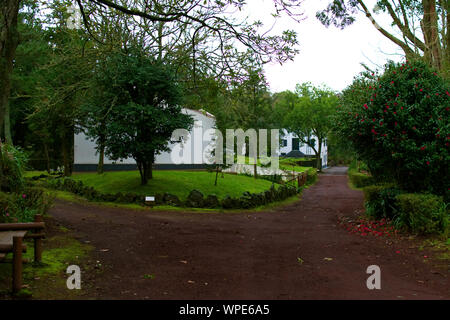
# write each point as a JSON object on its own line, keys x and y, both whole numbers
{"x": 86, "y": 155}
{"x": 290, "y": 142}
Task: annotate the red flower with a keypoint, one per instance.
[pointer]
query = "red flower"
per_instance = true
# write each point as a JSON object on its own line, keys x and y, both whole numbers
{"x": 423, "y": 148}
{"x": 365, "y": 106}
{"x": 421, "y": 90}
{"x": 428, "y": 163}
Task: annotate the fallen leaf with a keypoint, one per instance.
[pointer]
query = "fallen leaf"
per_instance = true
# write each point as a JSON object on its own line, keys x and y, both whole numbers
{"x": 183, "y": 261}
{"x": 328, "y": 259}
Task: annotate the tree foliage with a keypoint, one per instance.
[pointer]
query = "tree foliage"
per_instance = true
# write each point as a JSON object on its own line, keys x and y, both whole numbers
{"x": 144, "y": 108}
{"x": 398, "y": 123}
{"x": 312, "y": 116}
{"x": 423, "y": 26}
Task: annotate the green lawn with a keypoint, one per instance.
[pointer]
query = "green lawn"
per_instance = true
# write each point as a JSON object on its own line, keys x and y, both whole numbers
{"x": 179, "y": 183}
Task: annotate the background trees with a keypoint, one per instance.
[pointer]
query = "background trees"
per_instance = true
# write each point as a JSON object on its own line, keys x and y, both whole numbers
{"x": 311, "y": 116}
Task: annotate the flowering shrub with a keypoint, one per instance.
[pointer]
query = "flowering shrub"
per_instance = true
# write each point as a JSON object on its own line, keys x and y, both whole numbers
{"x": 398, "y": 123}
{"x": 22, "y": 207}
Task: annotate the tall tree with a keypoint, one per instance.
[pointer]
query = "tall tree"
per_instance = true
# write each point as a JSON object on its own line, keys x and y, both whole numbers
{"x": 312, "y": 116}
{"x": 424, "y": 25}
{"x": 146, "y": 111}
{"x": 9, "y": 40}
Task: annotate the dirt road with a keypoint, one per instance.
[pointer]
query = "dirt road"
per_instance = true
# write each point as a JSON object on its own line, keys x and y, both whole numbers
{"x": 295, "y": 252}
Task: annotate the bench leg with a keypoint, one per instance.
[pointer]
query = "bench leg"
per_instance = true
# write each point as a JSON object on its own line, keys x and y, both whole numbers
{"x": 17, "y": 264}
{"x": 38, "y": 250}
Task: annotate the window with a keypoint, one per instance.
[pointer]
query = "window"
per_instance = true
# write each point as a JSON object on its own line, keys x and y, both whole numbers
{"x": 284, "y": 143}
{"x": 296, "y": 144}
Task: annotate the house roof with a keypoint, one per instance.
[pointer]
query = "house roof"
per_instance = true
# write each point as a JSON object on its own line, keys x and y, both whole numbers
{"x": 203, "y": 112}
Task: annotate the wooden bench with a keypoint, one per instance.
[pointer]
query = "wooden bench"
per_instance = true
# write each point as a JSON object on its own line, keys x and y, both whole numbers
{"x": 11, "y": 241}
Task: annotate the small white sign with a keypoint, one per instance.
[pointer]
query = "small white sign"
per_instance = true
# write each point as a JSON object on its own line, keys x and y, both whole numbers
{"x": 149, "y": 198}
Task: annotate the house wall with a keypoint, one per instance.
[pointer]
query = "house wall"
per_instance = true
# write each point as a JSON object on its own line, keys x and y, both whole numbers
{"x": 303, "y": 147}
{"x": 85, "y": 153}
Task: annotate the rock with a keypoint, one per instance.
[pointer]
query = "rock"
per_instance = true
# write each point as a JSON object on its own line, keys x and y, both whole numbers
{"x": 211, "y": 201}
{"x": 195, "y": 199}
{"x": 171, "y": 200}
{"x": 230, "y": 203}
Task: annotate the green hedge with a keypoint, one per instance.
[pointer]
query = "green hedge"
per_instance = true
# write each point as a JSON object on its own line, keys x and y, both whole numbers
{"x": 195, "y": 198}
{"x": 414, "y": 212}
{"x": 422, "y": 213}
{"x": 360, "y": 180}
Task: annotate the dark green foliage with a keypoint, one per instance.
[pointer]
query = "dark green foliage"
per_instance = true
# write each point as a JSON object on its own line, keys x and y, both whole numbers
{"x": 423, "y": 213}
{"x": 141, "y": 108}
{"x": 12, "y": 166}
{"x": 399, "y": 125}
{"x": 381, "y": 201}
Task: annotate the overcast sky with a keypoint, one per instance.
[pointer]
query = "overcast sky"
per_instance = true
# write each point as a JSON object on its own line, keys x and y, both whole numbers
{"x": 328, "y": 56}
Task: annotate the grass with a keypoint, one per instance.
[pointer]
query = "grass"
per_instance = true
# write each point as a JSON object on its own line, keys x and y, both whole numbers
{"x": 179, "y": 183}
{"x": 290, "y": 164}
{"x": 47, "y": 279}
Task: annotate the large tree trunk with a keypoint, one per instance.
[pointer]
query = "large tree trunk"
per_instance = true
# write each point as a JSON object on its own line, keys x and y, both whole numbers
{"x": 101, "y": 155}
{"x": 430, "y": 31}
{"x": 47, "y": 157}
{"x": 8, "y": 136}
{"x": 68, "y": 151}
{"x": 9, "y": 39}
{"x": 319, "y": 153}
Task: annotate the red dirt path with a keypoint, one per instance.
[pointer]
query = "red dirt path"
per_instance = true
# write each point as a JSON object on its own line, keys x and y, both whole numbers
{"x": 249, "y": 255}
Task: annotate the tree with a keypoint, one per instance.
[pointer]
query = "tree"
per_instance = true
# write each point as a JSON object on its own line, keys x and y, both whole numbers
{"x": 312, "y": 116}
{"x": 398, "y": 124}
{"x": 9, "y": 40}
{"x": 208, "y": 29}
{"x": 147, "y": 109}
{"x": 424, "y": 26}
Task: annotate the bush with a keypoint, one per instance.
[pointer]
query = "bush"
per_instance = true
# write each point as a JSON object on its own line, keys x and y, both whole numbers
{"x": 422, "y": 213}
{"x": 312, "y": 176}
{"x": 22, "y": 207}
{"x": 360, "y": 180}
{"x": 398, "y": 123}
{"x": 381, "y": 201}
{"x": 12, "y": 167}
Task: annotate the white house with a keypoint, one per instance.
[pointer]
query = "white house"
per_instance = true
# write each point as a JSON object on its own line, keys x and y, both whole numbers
{"x": 290, "y": 142}
{"x": 86, "y": 156}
